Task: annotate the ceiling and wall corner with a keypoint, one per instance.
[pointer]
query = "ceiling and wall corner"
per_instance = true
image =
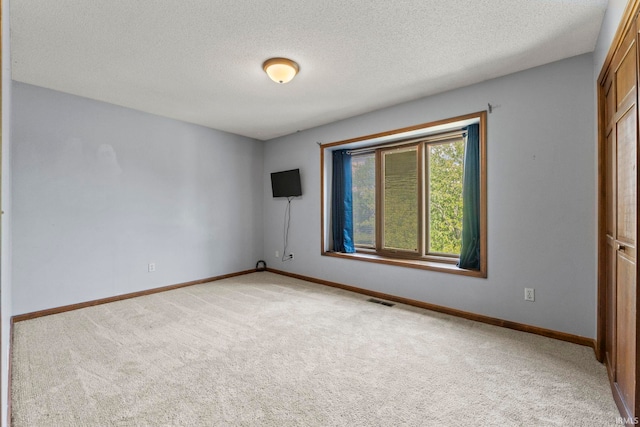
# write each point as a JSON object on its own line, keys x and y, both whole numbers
{"x": 201, "y": 62}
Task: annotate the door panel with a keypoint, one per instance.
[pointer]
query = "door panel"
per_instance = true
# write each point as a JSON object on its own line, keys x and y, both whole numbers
{"x": 625, "y": 72}
{"x": 626, "y": 79}
{"x": 610, "y": 184}
{"x": 609, "y": 104}
{"x": 610, "y": 342}
{"x": 626, "y": 329}
{"x": 626, "y": 181}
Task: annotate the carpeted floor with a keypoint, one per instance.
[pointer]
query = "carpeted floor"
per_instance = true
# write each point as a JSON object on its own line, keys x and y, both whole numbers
{"x": 267, "y": 350}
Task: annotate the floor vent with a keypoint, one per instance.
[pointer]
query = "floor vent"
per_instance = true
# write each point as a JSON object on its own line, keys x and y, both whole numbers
{"x": 379, "y": 301}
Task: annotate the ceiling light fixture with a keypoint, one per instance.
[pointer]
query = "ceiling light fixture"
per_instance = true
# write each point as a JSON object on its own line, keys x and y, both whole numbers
{"x": 280, "y": 70}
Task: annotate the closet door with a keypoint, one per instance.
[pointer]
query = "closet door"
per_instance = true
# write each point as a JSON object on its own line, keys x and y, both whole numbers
{"x": 620, "y": 158}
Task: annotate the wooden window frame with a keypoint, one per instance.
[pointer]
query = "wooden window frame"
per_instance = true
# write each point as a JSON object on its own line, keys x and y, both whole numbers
{"x": 404, "y": 137}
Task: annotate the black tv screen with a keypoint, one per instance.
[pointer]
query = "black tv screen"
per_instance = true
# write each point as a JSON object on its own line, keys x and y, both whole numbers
{"x": 286, "y": 183}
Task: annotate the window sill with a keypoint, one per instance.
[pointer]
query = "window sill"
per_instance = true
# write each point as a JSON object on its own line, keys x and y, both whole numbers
{"x": 443, "y": 267}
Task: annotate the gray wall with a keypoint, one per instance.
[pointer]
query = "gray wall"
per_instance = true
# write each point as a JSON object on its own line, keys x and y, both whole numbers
{"x": 99, "y": 191}
{"x": 541, "y": 200}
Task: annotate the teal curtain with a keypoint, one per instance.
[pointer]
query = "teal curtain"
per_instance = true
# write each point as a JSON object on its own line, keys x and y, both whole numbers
{"x": 470, "y": 252}
{"x": 342, "y": 203}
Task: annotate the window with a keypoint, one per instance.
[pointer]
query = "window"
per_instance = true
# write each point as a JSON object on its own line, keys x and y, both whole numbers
{"x": 445, "y": 166}
{"x": 400, "y": 220}
{"x": 407, "y": 196}
{"x": 426, "y": 173}
{"x": 363, "y": 169}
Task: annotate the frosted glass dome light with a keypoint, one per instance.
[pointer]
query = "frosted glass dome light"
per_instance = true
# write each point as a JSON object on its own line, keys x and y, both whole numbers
{"x": 280, "y": 70}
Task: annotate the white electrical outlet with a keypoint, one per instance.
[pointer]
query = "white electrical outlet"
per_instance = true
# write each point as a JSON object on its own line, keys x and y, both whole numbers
{"x": 529, "y": 294}
{"x": 277, "y": 254}
{"x": 291, "y": 255}
{"x": 152, "y": 267}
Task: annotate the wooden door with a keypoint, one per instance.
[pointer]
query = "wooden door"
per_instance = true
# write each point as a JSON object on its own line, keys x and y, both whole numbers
{"x": 620, "y": 211}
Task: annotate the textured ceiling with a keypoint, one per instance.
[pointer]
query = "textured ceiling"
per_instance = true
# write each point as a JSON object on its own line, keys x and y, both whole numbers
{"x": 200, "y": 60}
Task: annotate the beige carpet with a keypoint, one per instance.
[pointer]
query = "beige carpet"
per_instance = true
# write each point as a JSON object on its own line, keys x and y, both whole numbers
{"x": 268, "y": 350}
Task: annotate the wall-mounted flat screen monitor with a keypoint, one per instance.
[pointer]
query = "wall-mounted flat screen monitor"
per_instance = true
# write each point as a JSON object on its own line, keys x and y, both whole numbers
{"x": 286, "y": 183}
